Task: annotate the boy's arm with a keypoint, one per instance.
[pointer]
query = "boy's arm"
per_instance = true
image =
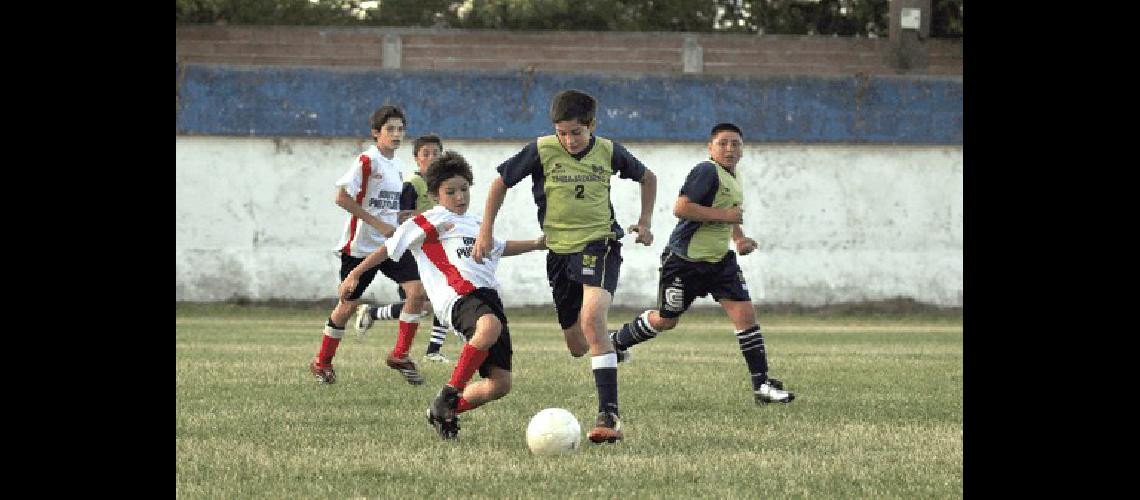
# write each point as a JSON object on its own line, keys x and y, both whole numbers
{"x": 495, "y": 196}
{"x": 744, "y": 245}
{"x": 343, "y": 200}
{"x": 374, "y": 259}
{"x": 688, "y": 209}
{"x": 515, "y": 247}
{"x": 648, "y": 196}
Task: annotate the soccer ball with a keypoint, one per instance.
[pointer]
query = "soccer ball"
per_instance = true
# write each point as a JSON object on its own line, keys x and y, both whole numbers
{"x": 553, "y": 431}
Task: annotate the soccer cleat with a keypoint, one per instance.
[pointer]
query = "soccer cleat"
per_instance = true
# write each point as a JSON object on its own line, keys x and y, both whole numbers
{"x": 768, "y": 393}
{"x": 364, "y": 319}
{"x": 437, "y": 357}
{"x": 324, "y": 373}
{"x": 441, "y": 414}
{"x": 607, "y": 428}
{"x": 776, "y": 383}
{"x": 623, "y": 355}
{"x": 406, "y": 367}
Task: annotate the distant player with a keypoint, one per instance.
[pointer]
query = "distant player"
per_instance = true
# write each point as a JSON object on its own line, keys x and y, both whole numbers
{"x": 370, "y": 193}
{"x": 463, "y": 292}
{"x": 697, "y": 262}
{"x": 571, "y": 172}
{"x": 415, "y": 199}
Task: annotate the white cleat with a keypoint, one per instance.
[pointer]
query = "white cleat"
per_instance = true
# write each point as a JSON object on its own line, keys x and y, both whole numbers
{"x": 769, "y": 394}
{"x": 437, "y": 357}
{"x": 364, "y": 319}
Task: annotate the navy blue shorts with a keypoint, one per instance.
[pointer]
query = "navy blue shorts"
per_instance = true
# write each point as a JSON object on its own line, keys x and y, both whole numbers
{"x": 466, "y": 313}
{"x": 598, "y": 264}
{"x": 398, "y": 271}
{"x": 683, "y": 281}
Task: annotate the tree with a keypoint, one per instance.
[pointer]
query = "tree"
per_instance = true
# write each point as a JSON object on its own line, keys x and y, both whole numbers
{"x": 790, "y": 17}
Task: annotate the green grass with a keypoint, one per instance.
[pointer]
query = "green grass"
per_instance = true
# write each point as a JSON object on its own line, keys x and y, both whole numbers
{"x": 878, "y": 412}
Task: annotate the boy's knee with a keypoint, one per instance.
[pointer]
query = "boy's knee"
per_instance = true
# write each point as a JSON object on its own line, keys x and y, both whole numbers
{"x": 666, "y": 324}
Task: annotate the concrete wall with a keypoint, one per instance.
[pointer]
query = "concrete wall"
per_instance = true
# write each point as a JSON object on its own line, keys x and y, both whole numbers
{"x": 255, "y": 218}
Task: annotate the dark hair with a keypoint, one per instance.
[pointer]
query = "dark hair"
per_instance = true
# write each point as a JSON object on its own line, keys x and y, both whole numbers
{"x": 423, "y": 140}
{"x": 382, "y": 115}
{"x": 720, "y": 127}
{"x": 573, "y": 105}
{"x": 448, "y": 165}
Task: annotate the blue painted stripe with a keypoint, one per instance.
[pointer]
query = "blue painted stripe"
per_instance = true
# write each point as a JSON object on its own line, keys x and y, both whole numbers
{"x": 221, "y": 100}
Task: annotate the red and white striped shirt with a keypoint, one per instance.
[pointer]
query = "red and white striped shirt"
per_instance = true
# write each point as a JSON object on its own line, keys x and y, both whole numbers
{"x": 444, "y": 261}
{"x": 375, "y": 182}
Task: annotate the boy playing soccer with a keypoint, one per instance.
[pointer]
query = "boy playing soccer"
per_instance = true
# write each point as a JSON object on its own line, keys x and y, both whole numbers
{"x": 463, "y": 292}
{"x": 369, "y": 192}
{"x": 414, "y": 199}
{"x": 697, "y": 261}
{"x": 570, "y": 171}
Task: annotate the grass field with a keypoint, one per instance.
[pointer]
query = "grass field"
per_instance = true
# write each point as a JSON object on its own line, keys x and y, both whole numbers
{"x": 878, "y": 412}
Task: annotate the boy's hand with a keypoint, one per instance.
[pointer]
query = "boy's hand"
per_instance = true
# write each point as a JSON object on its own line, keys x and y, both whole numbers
{"x": 541, "y": 242}
{"x": 644, "y": 235}
{"x": 482, "y": 247}
{"x": 745, "y": 246}
{"x": 348, "y": 286}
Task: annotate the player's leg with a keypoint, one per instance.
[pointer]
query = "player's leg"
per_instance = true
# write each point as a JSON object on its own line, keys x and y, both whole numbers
{"x": 405, "y": 273}
{"x": 567, "y": 295}
{"x": 438, "y": 335}
{"x": 367, "y": 314}
{"x": 732, "y": 293}
{"x": 333, "y": 332}
{"x": 479, "y": 318}
{"x": 598, "y": 271}
{"x": 676, "y": 291}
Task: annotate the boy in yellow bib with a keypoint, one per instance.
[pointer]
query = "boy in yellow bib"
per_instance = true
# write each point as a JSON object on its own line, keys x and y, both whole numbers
{"x": 571, "y": 172}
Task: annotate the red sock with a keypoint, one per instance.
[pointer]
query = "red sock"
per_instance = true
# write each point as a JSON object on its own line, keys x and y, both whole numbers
{"x": 328, "y": 350}
{"x": 464, "y": 405}
{"x": 404, "y": 340}
{"x": 469, "y": 361}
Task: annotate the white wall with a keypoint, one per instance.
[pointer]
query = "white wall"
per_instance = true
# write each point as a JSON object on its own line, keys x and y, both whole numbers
{"x": 255, "y": 218}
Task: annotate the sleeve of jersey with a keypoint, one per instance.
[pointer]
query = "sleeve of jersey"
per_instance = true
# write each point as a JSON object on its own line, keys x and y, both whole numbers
{"x": 521, "y": 165}
{"x": 499, "y": 246}
{"x": 353, "y": 179}
{"x": 406, "y": 236}
{"x": 700, "y": 186}
{"x": 408, "y": 197}
{"x": 626, "y": 165}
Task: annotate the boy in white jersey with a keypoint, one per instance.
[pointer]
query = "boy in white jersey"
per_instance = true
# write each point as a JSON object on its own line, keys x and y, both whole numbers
{"x": 414, "y": 199}
{"x": 463, "y": 292}
{"x": 370, "y": 193}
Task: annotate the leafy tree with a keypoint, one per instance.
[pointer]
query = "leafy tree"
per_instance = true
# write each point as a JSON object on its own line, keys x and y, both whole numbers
{"x": 792, "y": 17}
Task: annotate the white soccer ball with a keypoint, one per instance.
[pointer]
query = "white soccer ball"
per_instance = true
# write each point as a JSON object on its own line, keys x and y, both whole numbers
{"x": 553, "y": 431}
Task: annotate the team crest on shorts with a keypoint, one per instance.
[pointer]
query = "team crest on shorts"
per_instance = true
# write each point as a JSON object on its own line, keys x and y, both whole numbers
{"x": 589, "y": 262}
{"x": 675, "y": 295}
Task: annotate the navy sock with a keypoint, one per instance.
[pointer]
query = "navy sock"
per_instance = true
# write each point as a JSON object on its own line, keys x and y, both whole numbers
{"x": 605, "y": 379}
{"x": 438, "y": 335}
{"x": 634, "y": 332}
{"x": 390, "y": 311}
{"x": 752, "y": 347}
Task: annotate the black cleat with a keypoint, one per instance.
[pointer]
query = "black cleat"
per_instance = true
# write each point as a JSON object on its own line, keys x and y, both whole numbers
{"x": 441, "y": 414}
{"x": 623, "y": 355}
{"x": 324, "y": 373}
